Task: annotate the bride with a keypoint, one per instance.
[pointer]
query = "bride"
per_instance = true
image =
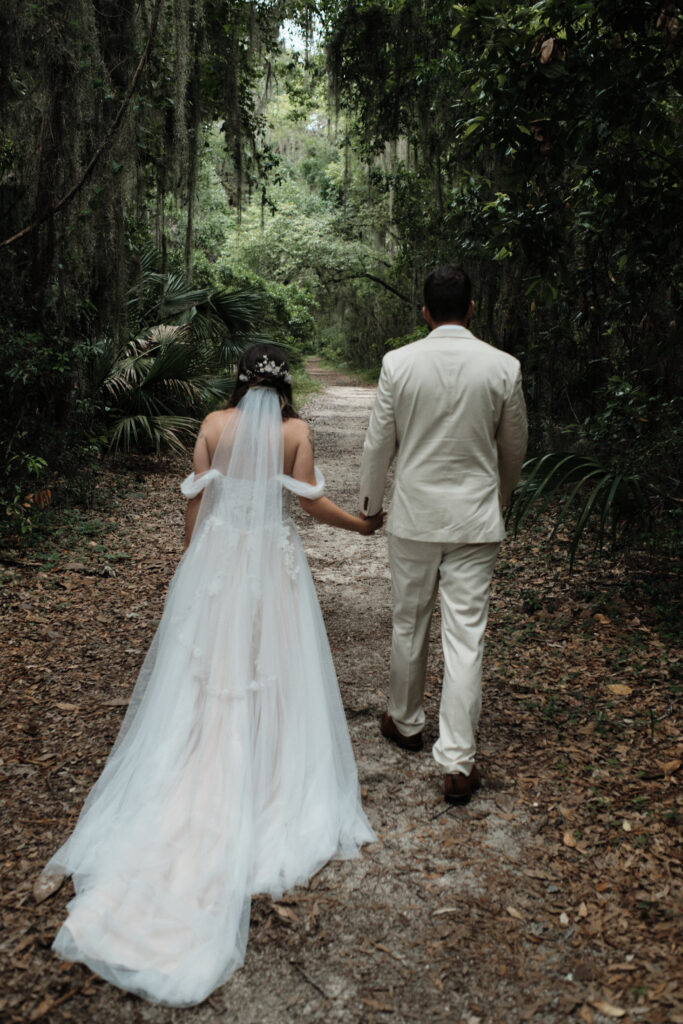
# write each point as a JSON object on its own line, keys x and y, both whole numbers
{"x": 233, "y": 771}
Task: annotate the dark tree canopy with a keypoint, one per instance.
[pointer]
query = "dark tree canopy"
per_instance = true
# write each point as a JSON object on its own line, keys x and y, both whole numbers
{"x": 539, "y": 145}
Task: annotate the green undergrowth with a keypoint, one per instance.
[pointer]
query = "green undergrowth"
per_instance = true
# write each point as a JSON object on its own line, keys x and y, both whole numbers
{"x": 364, "y": 374}
{"x": 303, "y": 386}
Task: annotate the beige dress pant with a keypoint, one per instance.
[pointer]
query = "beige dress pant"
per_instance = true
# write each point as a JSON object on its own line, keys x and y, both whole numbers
{"x": 462, "y": 574}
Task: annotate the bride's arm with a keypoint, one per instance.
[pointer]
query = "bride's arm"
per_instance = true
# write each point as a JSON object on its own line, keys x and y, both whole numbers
{"x": 322, "y": 509}
{"x": 201, "y": 462}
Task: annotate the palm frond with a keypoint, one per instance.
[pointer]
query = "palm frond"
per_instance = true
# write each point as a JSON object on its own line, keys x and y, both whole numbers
{"x": 129, "y": 432}
{"x": 216, "y": 387}
{"x": 173, "y": 372}
{"x": 229, "y": 347}
{"x": 588, "y": 490}
{"x": 106, "y": 354}
{"x": 178, "y": 299}
{"x": 164, "y": 334}
{"x": 173, "y": 361}
{"x": 239, "y": 310}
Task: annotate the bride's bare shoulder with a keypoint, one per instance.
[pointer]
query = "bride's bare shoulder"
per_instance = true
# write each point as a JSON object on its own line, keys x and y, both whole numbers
{"x": 212, "y": 427}
{"x": 219, "y": 415}
{"x": 295, "y": 427}
{"x": 296, "y": 432}
{"x": 215, "y": 421}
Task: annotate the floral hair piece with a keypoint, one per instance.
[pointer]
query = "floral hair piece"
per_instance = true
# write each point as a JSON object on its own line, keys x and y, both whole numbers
{"x": 266, "y": 368}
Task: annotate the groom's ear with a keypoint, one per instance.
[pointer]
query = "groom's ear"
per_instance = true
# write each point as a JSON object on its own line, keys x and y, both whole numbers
{"x": 428, "y": 317}
{"x": 470, "y": 312}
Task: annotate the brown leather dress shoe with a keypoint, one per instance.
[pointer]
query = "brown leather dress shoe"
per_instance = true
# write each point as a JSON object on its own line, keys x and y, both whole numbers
{"x": 390, "y": 731}
{"x": 458, "y": 788}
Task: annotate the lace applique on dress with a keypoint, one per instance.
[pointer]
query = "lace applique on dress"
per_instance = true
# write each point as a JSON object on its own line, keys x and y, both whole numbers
{"x": 257, "y": 685}
{"x": 289, "y": 553}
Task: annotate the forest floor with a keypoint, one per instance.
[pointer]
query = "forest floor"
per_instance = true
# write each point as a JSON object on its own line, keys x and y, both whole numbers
{"x": 554, "y": 896}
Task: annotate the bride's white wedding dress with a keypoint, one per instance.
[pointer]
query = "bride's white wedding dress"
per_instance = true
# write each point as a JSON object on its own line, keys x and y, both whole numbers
{"x": 233, "y": 771}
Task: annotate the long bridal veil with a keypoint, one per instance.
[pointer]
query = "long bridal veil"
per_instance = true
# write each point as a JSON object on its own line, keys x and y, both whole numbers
{"x": 233, "y": 771}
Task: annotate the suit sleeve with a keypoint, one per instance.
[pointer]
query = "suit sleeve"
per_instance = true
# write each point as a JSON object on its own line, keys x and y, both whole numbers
{"x": 511, "y": 439}
{"x": 379, "y": 447}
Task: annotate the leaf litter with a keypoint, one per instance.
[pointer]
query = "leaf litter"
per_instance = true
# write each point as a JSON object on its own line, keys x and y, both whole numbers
{"x": 554, "y": 896}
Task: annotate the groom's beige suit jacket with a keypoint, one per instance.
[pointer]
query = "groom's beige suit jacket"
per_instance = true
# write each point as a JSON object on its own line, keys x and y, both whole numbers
{"x": 450, "y": 409}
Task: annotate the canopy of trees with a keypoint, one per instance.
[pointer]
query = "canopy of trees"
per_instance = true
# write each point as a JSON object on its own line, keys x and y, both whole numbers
{"x": 157, "y": 158}
{"x": 540, "y": 145}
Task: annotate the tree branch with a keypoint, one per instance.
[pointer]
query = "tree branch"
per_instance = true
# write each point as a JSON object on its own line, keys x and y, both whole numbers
{"x": 113, "y": 128}
{"x": 390, "y": 288}
{"x": 371, "y": 277}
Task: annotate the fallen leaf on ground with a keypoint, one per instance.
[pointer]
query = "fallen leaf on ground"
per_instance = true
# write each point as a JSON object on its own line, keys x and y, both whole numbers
{"x": 286, "y": 914}
{"x": 389, "y": 952}
{"x": 602, "y": 1006}
{"x": 620, "y": 689}
{"x": 377, "y": 1006}
{"x": 513, "y": 912}
{"x": 46, "y": 885}
{"x": 565, "y": 753}
{"x": 41, "y": 1009}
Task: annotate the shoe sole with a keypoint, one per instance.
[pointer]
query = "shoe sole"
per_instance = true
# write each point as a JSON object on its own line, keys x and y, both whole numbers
{"x": 458, "y": 801}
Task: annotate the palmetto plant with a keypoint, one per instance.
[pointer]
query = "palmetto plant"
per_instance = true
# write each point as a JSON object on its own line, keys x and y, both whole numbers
{"x": 588, "y": 490}
{"x": 219, "y": 317}
{"x": 157, "y": 386}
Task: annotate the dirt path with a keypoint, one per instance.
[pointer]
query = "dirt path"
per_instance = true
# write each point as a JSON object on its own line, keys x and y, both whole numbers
{"x": 552, "y": 897}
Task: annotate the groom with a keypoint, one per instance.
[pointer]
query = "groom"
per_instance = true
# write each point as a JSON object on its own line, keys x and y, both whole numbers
{"x": 450, "y": 408}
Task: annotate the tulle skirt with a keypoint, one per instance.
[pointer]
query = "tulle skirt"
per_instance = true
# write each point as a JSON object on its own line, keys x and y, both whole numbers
{"x": 233, "y": 774}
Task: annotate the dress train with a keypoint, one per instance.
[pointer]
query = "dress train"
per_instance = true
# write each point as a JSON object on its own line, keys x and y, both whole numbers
{"x": 233, "y": 772}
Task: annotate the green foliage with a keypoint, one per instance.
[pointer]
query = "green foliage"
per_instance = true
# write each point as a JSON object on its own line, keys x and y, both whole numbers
{"x": 145, "y": 393}
{"x": 310, "y": 245}
{"x": 588, "y": 489}
{"x": 156, "y": 388}
{"x": 303, "y": 387}
{"x": 637, "y": 430}
{"x": 516, "y": 154}
{"x": 46, "y": 415}
{"x": 539, "y": 145}
{"x": 153, "y": 386}
{"x": 638, "y": 438}
{"x": 220, "y": 317}
{"x": 90, "y": 190}
{"x": 20, "y": 508}
{"x": 407, "y": 339}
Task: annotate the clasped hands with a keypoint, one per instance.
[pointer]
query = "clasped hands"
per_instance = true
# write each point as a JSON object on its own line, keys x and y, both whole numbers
{"x": 372, "y": 523}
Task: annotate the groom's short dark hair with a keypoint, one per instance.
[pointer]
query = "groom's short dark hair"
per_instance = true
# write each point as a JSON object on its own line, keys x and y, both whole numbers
{"x": 447, "y": 294}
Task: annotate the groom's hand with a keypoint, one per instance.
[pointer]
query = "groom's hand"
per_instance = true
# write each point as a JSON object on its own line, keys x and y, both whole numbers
{"x": 372, "y": 523}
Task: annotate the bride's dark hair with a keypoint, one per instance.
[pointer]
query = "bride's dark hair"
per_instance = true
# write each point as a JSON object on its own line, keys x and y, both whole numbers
{"x": 253, "y": 371}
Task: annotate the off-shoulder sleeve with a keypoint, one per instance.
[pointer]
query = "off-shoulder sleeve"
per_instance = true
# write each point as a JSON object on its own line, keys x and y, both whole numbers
{"x": 195, "y": 483}
{"x": 303, "y": 490}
